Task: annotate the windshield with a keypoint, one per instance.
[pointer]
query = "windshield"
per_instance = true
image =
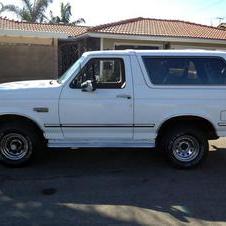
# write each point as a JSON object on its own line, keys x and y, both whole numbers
{"x": 70, "y": 71}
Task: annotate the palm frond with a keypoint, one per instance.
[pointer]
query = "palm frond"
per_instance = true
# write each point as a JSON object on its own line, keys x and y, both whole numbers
{"x": 61, "y": 8}
{"x": 79, "y": 21}
{"x": 31, "y": 11}
{"x": 11, "y": 8}
{"x": 65, "y": 16}
{"x": 2, "y": 7}
{"x": 65, "y": 13}
{"x": 53, "y": 19}
{"x": 43, "y": 18}
{"x": 28, "y": 5}
{"x": 26, "y": 15}
{"x": 39, "y": 7}
{"x": 41, "y": 4}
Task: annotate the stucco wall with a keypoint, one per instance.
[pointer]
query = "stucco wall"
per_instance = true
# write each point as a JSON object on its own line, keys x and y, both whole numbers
{"x": 198, "y": 46}
{"x": 27, "y": 59}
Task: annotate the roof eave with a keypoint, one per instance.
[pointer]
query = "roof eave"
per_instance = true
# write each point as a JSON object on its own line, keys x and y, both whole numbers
{"x": 155, "y": 38}
{"x": 40, "y": 34}
{"x": 78, "y": 37}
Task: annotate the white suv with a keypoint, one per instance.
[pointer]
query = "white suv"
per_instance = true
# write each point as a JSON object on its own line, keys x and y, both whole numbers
{"x": 175, "y": 100}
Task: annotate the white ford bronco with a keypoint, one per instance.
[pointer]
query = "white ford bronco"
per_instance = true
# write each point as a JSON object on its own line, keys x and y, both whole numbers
{"x": 175, "y": 100}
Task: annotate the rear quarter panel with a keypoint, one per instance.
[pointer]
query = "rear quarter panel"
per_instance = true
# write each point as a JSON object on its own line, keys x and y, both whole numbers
{"x": 156, "y": 104}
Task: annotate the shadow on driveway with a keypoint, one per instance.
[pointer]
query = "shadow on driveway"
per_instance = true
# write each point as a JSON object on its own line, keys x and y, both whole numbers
{"x": 113, "y": 187}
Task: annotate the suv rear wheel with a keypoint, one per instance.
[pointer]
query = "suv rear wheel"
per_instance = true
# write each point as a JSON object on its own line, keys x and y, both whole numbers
{"x": 185, "y": 146}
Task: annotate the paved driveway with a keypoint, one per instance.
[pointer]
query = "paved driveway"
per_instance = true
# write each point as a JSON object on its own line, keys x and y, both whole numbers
{"x": 114, "y": 187}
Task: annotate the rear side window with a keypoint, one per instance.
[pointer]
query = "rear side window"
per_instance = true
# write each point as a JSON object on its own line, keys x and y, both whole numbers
{"x": 186, "y": 70}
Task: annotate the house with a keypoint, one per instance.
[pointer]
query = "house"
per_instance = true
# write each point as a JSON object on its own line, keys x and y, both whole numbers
{"x": 42, "y": 51}
{"x": 31, "y": 50}
{"x": 145, "y": 33}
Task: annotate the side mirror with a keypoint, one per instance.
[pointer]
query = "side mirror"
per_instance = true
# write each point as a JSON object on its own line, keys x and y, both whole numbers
{"x": 88, "y": 86}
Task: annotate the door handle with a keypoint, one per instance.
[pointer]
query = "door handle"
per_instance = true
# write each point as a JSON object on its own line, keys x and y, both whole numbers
{"x": 125, "y": 96}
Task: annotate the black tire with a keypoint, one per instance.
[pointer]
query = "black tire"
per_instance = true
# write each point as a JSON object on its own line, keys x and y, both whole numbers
{"x": 185, "y": 146}
{"x": 19, "y": 143}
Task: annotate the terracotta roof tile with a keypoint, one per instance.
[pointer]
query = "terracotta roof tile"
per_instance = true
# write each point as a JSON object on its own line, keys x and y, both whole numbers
{"x": 25, "y": 26}
{"x": 159, "y": 27}
{"x": 136, "y": 26}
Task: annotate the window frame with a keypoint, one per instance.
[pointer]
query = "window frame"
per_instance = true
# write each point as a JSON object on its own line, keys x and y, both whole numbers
{"x": 160, "y": 46}
{"x": 110, "y": 85}
{"x": 181, "y": 85}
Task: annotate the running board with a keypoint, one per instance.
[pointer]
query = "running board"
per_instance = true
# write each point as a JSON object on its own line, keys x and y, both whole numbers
{"x": 98, "y": 144}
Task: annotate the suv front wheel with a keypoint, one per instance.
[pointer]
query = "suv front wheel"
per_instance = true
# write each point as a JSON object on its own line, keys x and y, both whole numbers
{"x": 18, "y": 143}
{"x": 185, "y": 146}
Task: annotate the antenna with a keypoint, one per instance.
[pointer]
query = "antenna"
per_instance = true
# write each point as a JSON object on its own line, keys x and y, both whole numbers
{"x": 211, "y": 22}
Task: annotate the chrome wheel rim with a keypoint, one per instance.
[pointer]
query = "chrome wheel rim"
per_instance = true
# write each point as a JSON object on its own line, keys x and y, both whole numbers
{"x": 14, "y": 146}
{"x": 186, "y": 148}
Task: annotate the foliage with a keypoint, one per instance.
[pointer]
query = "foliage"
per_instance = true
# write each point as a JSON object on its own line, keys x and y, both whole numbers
{"x": 31, "y": 11}
{"x": 65, "y": 16}
{"x": 1, "y": 7}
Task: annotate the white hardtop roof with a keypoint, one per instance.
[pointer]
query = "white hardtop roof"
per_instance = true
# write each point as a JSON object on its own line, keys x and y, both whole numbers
{"x": 186, "y": 52}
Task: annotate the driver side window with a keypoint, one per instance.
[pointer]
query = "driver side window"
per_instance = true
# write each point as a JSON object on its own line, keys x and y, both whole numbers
{"x": 108, "y": 73}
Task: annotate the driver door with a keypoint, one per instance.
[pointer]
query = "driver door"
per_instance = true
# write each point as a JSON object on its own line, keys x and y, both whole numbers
{"x": 106, "y": 113}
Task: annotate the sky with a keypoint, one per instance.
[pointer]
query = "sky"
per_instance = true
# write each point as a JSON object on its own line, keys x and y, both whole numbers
{"x": 97, "y": 12}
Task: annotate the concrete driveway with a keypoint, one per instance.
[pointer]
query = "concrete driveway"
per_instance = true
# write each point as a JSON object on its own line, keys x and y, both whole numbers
{"x": 114, "y": 187}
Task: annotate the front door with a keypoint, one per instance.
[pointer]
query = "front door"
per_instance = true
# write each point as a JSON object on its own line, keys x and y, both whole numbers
{"x": 103, "y": 114}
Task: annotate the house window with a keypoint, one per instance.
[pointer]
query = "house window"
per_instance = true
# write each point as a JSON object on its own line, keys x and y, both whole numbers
{"x": 137, "y": 47}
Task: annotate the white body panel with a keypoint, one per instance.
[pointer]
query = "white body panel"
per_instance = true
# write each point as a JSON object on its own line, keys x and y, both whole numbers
{"x": 20, "y": 98}
{"x": 102, "y": 118}
{"x": 98, "y": 115}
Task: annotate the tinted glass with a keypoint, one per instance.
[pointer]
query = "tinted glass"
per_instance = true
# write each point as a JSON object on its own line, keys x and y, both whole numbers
{"x": 71, "y": 70}
{"x": 108, "y": 73}
{"x": 186, "y": 71}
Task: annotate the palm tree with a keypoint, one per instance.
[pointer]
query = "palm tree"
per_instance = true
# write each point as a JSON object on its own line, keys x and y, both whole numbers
{"x": 65, "y": 15}
{"x": 31, "y": 11}
{"x": 1, "y": 7}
